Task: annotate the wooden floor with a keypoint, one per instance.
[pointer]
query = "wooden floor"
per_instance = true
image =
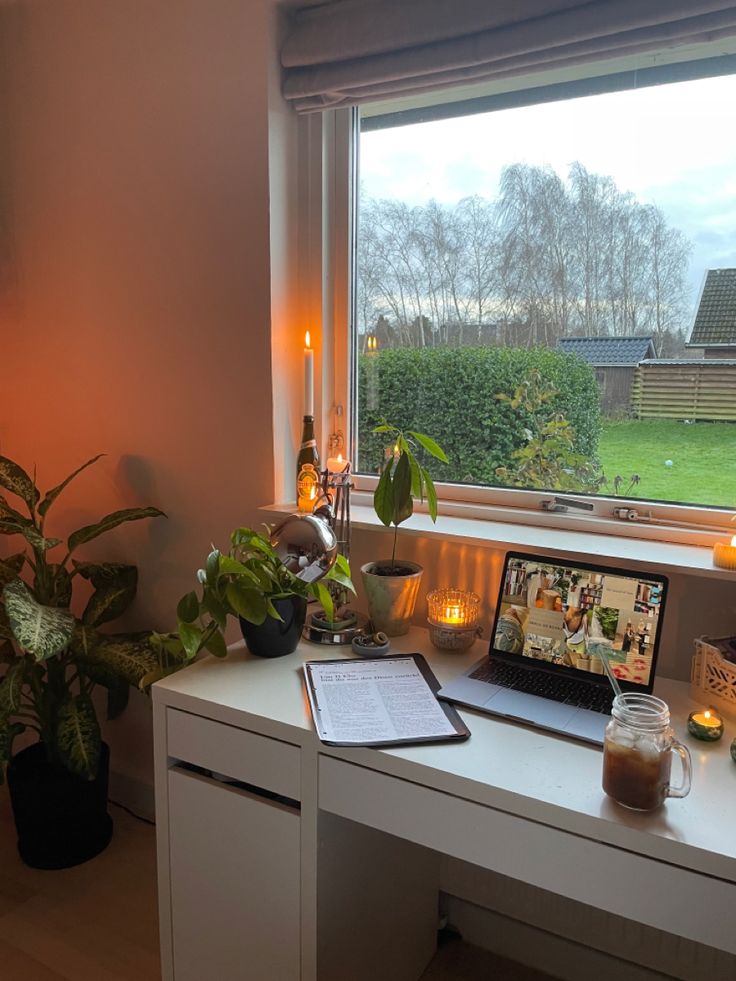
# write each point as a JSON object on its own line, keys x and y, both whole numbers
{"x": 98, "y": 921}
{"x": 95, "y": 922}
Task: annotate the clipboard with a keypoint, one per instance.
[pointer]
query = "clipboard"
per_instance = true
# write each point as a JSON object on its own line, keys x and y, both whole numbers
{"x": 359, "y": 702}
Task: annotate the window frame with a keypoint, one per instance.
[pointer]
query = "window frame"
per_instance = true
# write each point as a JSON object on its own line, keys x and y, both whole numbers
{"x": 662, "y": 521}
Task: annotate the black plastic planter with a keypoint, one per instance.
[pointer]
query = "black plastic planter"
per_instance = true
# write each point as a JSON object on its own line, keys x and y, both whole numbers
{"x": 274, "y": 638}
{"x": 60, "y": 818}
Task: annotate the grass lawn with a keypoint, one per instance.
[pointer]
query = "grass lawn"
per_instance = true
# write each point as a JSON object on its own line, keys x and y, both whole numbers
{"x": 703, "y": 457}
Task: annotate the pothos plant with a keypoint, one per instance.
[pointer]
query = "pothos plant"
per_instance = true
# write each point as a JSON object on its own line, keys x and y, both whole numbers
{"x": 403, "y": 478}
{"x": 245, "y": 583}
{"x": 50, "y": 659}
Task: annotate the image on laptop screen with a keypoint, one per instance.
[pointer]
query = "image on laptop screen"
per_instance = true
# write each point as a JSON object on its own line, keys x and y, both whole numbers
{"x": 566, "y": 615}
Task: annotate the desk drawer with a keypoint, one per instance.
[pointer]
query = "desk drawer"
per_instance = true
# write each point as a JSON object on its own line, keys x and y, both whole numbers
{"x": 257, "y": 760}
{"x": 665, "y": 896}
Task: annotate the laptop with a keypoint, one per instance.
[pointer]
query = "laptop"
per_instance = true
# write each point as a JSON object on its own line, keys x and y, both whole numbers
{"x": 553, "y": 619}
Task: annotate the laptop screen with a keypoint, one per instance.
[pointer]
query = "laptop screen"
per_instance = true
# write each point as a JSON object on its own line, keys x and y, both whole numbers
{"x": 563, "y": 615}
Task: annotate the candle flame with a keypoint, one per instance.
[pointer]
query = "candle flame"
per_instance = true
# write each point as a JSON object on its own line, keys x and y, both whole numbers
{"x": 307, "y": 340}
{"x": 339, "y": 458}
{"x": 733, "y": 542}
{"x": 707, "y": 713}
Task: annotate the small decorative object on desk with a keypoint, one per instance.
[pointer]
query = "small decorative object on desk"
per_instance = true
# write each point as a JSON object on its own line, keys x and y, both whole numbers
{"x": 724, "y": 556}
{"x": 713, "y": 672}
{"x": 707, "y": 725}
{"x": 453, "y": 618}
{"x": 371, "y": 645}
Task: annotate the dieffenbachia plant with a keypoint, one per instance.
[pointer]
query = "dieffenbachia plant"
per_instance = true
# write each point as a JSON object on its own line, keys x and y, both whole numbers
{"x": 50, "y": 659}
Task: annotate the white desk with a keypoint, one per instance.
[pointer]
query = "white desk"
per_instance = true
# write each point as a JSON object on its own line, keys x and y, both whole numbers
{"x": 255, "y": 881}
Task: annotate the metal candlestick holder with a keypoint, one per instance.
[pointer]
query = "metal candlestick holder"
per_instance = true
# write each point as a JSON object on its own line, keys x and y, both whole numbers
{"x": 333, "y": 506}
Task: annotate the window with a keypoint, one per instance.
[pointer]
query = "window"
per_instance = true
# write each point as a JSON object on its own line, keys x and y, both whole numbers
{"x": 549, "y": 289}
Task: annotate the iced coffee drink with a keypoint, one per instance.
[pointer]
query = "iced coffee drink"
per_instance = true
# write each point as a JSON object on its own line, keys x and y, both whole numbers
{"x": 637, "y": 753}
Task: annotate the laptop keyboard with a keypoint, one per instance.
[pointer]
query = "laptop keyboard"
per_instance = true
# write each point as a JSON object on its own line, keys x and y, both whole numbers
{"x": 556, "y": 688}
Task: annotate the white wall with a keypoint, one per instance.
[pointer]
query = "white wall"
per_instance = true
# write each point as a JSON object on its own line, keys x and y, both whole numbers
{"x": 135, "y": 305}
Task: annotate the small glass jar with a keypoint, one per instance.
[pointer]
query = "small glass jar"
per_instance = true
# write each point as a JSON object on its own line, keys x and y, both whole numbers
{"x": 637, "y": 753}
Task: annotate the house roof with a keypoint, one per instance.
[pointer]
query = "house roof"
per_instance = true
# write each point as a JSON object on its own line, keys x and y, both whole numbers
{"x": 605, "y": 352}
{"x": 715, "y": 320}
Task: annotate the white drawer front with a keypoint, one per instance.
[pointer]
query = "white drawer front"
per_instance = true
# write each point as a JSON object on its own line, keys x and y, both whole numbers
{"x": 237, "y": 753}
{"x": 665, "y": 896}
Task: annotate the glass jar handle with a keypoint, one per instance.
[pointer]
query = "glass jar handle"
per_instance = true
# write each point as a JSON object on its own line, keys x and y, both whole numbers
{"x": 684, "y": 753}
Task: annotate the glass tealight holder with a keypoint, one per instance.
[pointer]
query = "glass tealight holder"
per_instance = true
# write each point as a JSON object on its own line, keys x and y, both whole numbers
{"x": 453, "y": 618}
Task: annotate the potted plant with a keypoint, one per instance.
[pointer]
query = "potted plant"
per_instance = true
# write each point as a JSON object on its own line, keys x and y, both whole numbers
{"x": 50, "y": 662}
{"x": 392, "y": 585}
{"x": 250, "y": 582}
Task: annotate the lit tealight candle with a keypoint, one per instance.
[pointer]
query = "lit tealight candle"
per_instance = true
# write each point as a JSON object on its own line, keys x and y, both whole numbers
{"x": 453, "y": 614}
{"x": 724, "y": 556}
{"x": 336, "y": 464}
{"x": 308, "y": 376}
{"x": 707, "y": 725}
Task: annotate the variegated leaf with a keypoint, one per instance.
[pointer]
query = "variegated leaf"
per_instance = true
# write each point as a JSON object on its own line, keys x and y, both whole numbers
{"x": 10, "y": 567}
{"x": 62, "y": 584}
{"x": 78, "y": 738}
{"x": 117, "y": 688}
{"x": 123, "y": 658}
{"x": 115, "y": 587}
{"x": 42, "y": 630}
{"x": 8, "y": 513}
{"x": 109, "y": 522}
{"x": 55, "y": 491}
{"x": 17, "y": 481}
{"x": 10, "y": 689}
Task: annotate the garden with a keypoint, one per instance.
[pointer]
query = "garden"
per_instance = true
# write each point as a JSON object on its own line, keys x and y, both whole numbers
{"x": 531, "y": 417}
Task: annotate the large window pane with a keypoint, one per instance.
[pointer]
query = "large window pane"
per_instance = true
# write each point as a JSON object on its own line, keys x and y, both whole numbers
{"x": 527, "y": 285}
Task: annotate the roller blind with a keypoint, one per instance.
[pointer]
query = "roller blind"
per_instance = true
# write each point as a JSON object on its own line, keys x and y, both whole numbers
{"x": 352, "y": 51}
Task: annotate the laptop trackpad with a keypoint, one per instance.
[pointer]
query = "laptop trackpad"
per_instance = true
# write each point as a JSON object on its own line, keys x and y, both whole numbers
{"x": 531, "y": 708}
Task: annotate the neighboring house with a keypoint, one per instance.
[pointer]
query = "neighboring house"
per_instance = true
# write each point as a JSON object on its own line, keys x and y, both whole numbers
{"x": 714, "y": 329}
{"x": 614, "y": 360}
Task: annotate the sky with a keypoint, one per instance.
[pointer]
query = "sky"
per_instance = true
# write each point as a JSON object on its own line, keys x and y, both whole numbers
{"x": 670, "y": 145}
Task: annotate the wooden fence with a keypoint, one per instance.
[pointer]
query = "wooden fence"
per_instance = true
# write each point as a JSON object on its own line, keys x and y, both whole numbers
{"x": 699, "y": 390}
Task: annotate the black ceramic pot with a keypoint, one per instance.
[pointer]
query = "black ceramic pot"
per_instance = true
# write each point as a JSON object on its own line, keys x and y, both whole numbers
{"x": 274, "y": 638}
{"x": 61, "y": 819}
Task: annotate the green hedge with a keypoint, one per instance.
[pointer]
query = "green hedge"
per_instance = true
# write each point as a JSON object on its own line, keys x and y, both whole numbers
{"x": 449, "y": 394}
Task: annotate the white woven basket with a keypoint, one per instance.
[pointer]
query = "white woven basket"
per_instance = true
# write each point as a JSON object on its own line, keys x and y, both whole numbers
{"x": 712, "y": 675}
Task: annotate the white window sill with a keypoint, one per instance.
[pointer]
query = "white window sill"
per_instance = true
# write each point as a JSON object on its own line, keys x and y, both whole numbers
{"x": 575, "y": 543}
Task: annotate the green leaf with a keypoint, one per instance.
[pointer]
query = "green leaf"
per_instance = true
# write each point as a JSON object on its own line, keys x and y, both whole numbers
{"x": 10, "y": 567}
{"x": 156, "y": 675}
{"x": 187, "y": 608}
{"x": 326, "y": 600}
{"x": 54, "y": 492}
{"x": 216, "y": 645}
{"x": 216, "y": 608}
{"x": 122, "y": 656}
{"x": 250, "y": 604}
{"x": 430, "y": 446}
{"x": 42, "y": 630}
{"x": 337, "y": 575}
{"x": 383, "y": 496}
{"x": 14, "y": 479}
{"x": 384, "y": 428}
{"x": 431, "y": 495}
{"x": 191, "y": 638}
{"x": 31, "y": 534}
{"x": 115, "y": 587}
{"x": 117, "y": 688}
{"x": 110, "y": 521}
{"x": 416, "y": 477}
{"x": 403, "y": 504}
{"x": 11, "y": 688}
{"x": 78, "y": 737}
{"x": 212, "y": 567}
{"x": 229, "y": 566}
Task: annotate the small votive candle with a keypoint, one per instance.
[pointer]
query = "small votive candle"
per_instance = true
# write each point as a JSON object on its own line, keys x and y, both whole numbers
{"x": 707, "y": 725}
{"x": 724, "y": 556}
{"x": 453, "y": 618}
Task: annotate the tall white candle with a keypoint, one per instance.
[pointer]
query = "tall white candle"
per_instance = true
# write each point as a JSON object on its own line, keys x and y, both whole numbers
{"x": 308, "y": 376}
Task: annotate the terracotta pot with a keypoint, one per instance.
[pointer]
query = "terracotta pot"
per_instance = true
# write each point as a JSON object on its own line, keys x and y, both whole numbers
{"x": 391, "y": 599}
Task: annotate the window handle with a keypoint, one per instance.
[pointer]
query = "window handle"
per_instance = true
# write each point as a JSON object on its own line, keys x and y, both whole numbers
{"x": 559, "y": 505}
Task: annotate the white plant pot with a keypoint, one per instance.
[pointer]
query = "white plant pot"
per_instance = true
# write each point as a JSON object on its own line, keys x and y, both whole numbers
{"x": 391, "y": 599}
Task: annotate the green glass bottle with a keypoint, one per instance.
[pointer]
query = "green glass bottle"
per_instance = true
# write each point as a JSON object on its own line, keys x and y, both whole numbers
{"x": 307, "y": 468}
